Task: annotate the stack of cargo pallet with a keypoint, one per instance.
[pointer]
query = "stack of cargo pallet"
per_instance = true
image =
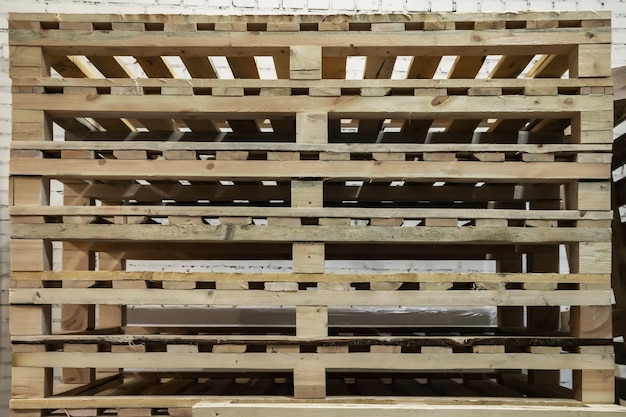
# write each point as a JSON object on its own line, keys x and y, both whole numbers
{"x": 511, "y": 169}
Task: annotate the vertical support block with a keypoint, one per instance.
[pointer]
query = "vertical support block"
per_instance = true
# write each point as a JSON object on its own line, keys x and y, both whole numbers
{"x": 305, "y": 62}
{"x": 308, "y": 258}
{"x": 111, "y": 315}
{"x": 592, "y": 195}
{"x": 595, "y": 386}
{"x": 594, "y": 126}
{"x": 510, "y": 316}
{"x": 27, "y": 62}
{"x": 79, "y": 375}
{"x": 312, "y": 127}
{"x": 31, "y": 255}
{"x": 590, "y": 60}
{"x": 28, "y": 191}
{"x": 30, "y": 320}
{"x": 311, "y": 321}
{"x": 30, "y": 125}
{"x": 30, "y": 382}
{"x": 307, "y": 194}
{"x": 309, "y": 383}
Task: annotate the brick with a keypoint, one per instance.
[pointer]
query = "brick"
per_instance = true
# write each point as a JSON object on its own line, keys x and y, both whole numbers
{"x": 467, "y": 7}
{"x": 294, "y": 4}
{"x": 418, "y": 5}
{"x": 343, "y": 4}
{"x": 516, "y": 5}
{"x": 442, "y": 6}
{"x": 269, "y": 4}
{"x": 367, "y": 5}
{"x": 392, "y": 6}
{"x": 194, "y": 2}
{"x": 319, "y": 4}
{"x": 541, "y": 4}
{"x": 492, "y": 6}
{"x": 566, "y": 5}
{"x": 244, "y": 3}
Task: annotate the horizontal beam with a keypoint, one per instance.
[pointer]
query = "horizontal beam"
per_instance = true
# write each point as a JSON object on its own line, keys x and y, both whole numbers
{"x": 313, "y": 18}
{"x": 325, "y": 83}
{"x": 464, "y": 171}
{"x": 515, "y": 342}
{"x": 353, "y": 213}
{"x": 296, "y": 277}
{"x": 117, "y": 143}
{"x": 335, "y": 361}
{"x": 407, "y": 107}
{"x": 329, "y": 234}
{"x": 424, "y": 298}
{"x": 400, "y": 409}
{"x": 120, "y": 42}
{"x": 345, "y": 406}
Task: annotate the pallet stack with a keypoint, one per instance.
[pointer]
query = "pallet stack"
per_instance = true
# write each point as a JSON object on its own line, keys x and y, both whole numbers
{"x": 512, "y": 170}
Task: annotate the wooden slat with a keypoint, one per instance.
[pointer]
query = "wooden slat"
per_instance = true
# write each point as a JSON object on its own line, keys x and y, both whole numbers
{"x": 155, "y": 66}
{"x": 228, "y": 409}
{"x": 353, "y": 107}
{"x": 336, "y": 361}
{"x": 448, "y": 42}
{"x": 311, "y": 298}
{"x": 351, "y": 170}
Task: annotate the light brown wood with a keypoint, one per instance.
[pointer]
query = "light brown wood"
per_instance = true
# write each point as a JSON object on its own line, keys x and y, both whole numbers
{"x": 305, "y": 62}
{"x": 311, "y": 321}
{"x": 309, "y": 383}
{"x": 339, "y": 361}
{"x": 407, "y": 298}
{"x": 395, "y": 409}
{"x": 465, "y": 171}
{"x": 314, "y": 234}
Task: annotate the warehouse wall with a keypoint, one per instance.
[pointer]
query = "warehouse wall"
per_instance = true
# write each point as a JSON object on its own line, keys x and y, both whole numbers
{"x": 231, "y": 7}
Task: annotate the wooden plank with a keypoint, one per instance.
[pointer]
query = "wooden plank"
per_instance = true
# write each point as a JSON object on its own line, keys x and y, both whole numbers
{"x": 233, "y": 409}
{"x": 328, "y": 234}
{"x": 335, "y": 361}
{"x": 463, "y": 171}
{"x": 428, "y": 85}
{"x": 311, "y": 298}
{"x": 110, "y": 66}
{"x": 199, "y": 66}
{"x": 406, "y": 107}
{"x": 510, "y": 66}
{"x": 500, "y": 277}
{"x": 447, "y": 42}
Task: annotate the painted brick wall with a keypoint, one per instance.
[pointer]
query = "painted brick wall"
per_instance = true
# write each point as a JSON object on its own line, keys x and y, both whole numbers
{"x": 232, "y": 7}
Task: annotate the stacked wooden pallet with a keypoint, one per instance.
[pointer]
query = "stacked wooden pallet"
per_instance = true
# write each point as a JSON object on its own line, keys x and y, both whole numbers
{"x": 311, "y": 167}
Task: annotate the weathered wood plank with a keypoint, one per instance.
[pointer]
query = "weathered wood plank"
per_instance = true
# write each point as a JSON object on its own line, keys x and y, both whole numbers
{"x": 328, "y": 234}
{"x": 311, "y": 298}
{"x": 348, "y": 106}
{"x": 307, "y": 277}
{"x": 233, "y": 409}
{"x": 335, "y": 361}
{"x": 462, "y": 171}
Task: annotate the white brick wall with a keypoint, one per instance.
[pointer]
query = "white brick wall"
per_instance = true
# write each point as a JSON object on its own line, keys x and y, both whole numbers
{"x": 234, "y": 7}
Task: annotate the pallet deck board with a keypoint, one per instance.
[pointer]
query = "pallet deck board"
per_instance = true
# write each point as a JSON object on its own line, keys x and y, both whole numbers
{"x": 406, "y": 298}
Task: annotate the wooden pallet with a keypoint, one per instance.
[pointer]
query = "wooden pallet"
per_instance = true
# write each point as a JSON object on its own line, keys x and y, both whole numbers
{"x": 311, "y": 167}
